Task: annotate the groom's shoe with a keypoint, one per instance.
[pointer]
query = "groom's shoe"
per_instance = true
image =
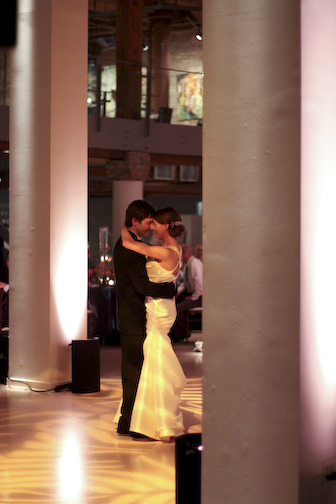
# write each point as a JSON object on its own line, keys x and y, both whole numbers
{"x": 123, "y": 432}
{"x": 123, "y": 428}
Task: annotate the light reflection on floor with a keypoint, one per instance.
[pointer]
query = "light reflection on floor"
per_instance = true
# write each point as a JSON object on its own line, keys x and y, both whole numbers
{"x": 63, "y": 447}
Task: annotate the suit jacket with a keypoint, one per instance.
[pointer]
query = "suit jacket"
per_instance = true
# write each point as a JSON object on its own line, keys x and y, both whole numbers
{"x": 132, "y": 285}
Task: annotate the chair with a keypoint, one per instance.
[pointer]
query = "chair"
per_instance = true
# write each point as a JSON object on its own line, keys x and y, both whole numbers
{"x": 193, "y": 321}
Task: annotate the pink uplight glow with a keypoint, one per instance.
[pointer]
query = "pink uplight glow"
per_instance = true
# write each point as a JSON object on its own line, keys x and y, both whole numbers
{"x": 71, "y": 285}
{"x": 318, "y": 237}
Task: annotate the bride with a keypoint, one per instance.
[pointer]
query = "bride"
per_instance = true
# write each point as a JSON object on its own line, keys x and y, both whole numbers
{"x": 156, "y": 412}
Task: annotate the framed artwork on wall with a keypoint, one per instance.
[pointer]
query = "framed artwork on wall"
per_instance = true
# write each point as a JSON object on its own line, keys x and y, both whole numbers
{"x": 189, "y": 96}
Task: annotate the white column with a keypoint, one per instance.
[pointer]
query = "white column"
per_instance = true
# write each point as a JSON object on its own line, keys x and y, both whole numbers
{"x": 318, "y": 341}
{"x": 251, "y": 201}
{"x": 48, "y": 190}
{"x": 124, "y": 192}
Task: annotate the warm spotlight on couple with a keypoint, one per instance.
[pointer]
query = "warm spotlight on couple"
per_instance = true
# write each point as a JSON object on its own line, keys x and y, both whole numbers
{"x": 152, "y": 377}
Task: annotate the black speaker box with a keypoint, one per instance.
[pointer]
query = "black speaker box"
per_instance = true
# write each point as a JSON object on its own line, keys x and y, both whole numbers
{"x": 165, "y": 115}
{"x": 85, "y": 366}
{"x": 188, "y": 449}
{"x": 8, "y": 12}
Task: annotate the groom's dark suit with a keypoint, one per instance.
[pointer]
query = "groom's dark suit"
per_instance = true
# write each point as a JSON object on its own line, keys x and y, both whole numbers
{"x": 132, "y": 285}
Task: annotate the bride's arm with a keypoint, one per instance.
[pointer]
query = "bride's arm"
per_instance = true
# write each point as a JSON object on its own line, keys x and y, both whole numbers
{"x": 142, "y": 248}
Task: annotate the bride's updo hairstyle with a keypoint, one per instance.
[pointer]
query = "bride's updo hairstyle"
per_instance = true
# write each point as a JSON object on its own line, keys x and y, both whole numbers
{"x": 171, "y": 217}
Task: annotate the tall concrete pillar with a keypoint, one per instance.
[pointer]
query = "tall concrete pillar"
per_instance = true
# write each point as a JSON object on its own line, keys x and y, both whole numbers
{"x": 124, "y": 192}
{"x": 251, "y": 220}
{"x": 48, "y": 190}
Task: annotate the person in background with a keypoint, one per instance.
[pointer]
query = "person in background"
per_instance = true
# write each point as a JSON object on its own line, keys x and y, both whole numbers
{"x": 4, "y": 288}
{"x": 3, "y": 262}
{"x": 199, "y": 252}
{"x": 190, "y": 292}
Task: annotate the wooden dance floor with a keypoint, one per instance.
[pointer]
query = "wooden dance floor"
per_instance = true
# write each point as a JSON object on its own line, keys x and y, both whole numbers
{"x": 63, "y": 448}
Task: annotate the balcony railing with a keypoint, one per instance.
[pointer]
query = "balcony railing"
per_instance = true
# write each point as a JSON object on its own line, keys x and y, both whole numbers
{"x": 167, "y": 95}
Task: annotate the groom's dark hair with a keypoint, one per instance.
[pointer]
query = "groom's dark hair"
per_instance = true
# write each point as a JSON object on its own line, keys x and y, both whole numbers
{"x": 138, "y": 210}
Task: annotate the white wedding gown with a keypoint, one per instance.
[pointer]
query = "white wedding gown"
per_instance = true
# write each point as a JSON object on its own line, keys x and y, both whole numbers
{"x": 156, "y": 411}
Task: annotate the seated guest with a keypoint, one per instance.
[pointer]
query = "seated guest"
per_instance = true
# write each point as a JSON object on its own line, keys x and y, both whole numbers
{"x": 179, "y": 280}
{"x": 199, "y": 252}
{"x": 190, "y": 292}
{"x": 4, "y": 288}
{"x": 3, "y": 262}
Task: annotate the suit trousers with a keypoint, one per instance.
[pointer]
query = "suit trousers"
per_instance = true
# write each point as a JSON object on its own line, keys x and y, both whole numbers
{"x": 131, "y": 364}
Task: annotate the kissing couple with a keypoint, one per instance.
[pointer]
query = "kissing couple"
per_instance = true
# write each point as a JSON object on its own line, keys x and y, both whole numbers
{"x": 152, "y": 377}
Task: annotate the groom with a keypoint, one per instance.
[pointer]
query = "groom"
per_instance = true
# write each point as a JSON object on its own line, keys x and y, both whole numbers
{"x": 132, "y": 285}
